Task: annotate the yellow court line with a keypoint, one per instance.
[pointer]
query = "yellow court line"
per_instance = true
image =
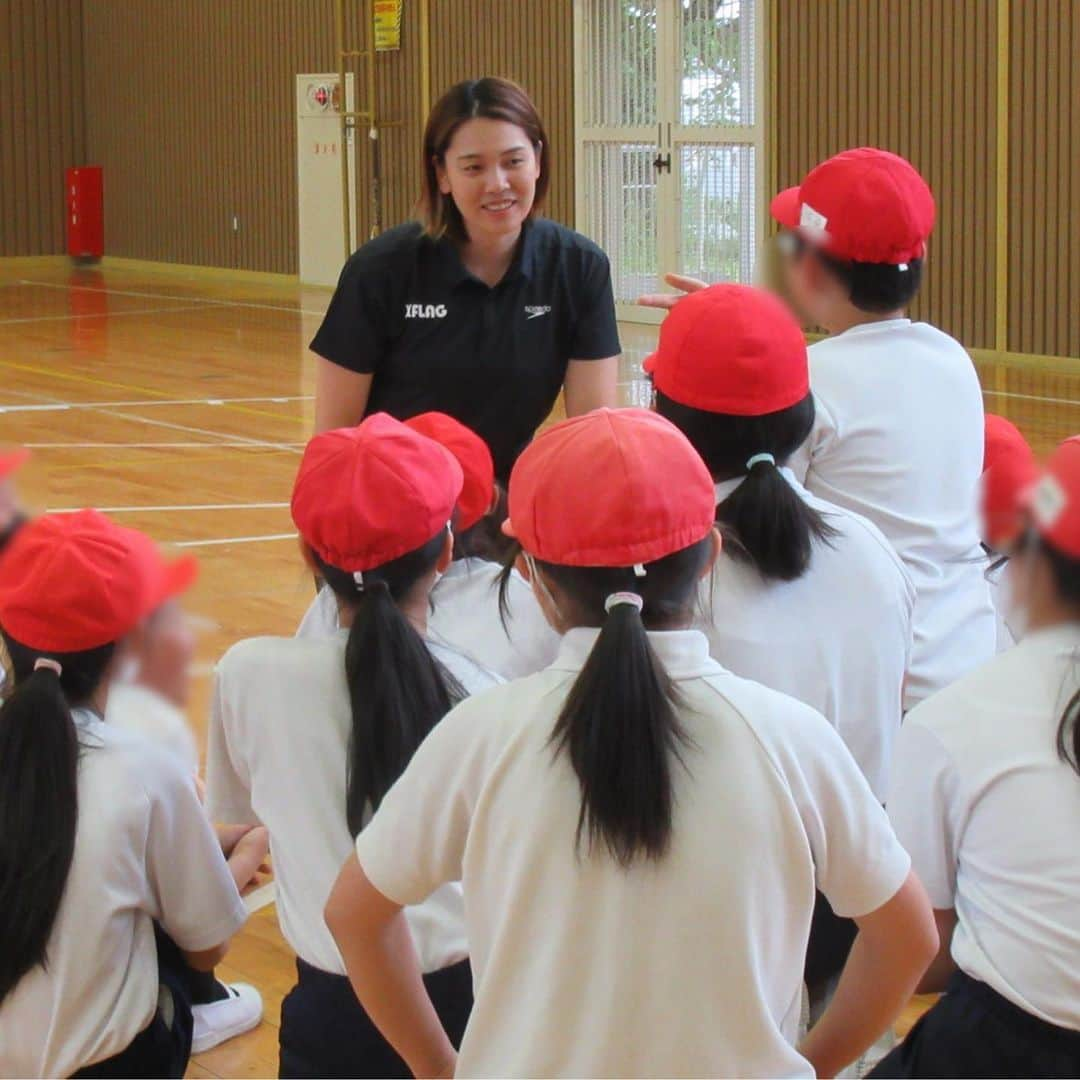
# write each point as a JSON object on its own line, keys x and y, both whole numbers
{"x": 56, "y": 373}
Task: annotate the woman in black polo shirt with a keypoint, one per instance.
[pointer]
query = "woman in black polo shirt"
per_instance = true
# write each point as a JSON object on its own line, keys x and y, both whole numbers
{"x": 482, "y": 310}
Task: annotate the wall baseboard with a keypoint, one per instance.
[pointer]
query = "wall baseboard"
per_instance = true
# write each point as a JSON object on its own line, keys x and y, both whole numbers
{"x": 147, "y": 266}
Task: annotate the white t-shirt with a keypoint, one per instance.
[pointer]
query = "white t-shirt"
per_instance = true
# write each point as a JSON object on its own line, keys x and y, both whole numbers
{"x": 139, "y": 709}
{"x": 144, "y": 851}
{"x": 687, "y": 967}
{"x": 991, "y": 816}
{"x": 899, "y": 439}
{"x": 279, "y": 733}
{"x": 837, "y": 639}
{"x": 466, "y": 618}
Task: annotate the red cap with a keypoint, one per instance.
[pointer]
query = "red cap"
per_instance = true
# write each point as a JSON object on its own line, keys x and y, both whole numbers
{"x": 614, "y": 487}
{"x": 865, "y": 205}
{"x": 369, "y": 494}
{"x": 731, "y": 349}
{"x": 1008, "y": 472}
{"x": 474, "y": 457}
{"x": 14, "y": 459}
{"x": 72, "y": 582}
{"x": 1055, "y": 500}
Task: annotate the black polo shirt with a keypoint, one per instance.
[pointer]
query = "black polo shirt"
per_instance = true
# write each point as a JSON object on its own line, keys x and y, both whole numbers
{"x": 407, "y": 311}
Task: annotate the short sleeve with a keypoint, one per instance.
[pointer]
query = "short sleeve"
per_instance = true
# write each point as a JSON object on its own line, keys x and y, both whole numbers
{"x": 228, "y": 785}
{"x": 596, "y": 333}
{"x": 415, "y": 842}
{"x": 922, "y": 806}
{"x": 354, "y": 330}
{"x": 860, "y": 865}
{"x": 191, "y": 889}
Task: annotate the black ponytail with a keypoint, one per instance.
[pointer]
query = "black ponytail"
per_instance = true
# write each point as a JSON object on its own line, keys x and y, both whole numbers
{"x": 1066, "y": 574}
{"x": 39, "y": 805}
{"x": 773, "y": 529}
{"x": 397, "y": 689}
{"x": 619, "y": 725}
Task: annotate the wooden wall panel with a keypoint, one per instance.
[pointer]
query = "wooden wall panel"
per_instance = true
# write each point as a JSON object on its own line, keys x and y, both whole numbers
{"x": 41, "y": 120}
{"x": 190, "y": 110}
{"x": 1044, "y": 177}
{"x": 917, "y": 77}
{"x": 530, "y": 41}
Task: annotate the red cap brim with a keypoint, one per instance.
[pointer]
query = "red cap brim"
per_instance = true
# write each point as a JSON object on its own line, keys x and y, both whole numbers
{"x": 9, "y": 463}
{"x": 178, "y": 576}
{"x": 649, "y": 366}
{"x": 785, "y": 208}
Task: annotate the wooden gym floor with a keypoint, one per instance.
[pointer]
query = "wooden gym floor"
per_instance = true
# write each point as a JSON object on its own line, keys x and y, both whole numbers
{"x": 180, "y": 402}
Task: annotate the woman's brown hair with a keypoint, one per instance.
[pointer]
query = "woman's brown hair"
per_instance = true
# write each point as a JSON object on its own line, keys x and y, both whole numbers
{"x": 492, "y": 99}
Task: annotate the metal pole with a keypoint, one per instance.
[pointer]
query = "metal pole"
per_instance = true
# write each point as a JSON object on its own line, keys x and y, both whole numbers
{"x": 346, "y": 194}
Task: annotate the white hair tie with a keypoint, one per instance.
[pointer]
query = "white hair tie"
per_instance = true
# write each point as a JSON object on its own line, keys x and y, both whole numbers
{"x": 49, "y": 664}
{"x": 617, "y": 598}
{"x": 757, "y": 459}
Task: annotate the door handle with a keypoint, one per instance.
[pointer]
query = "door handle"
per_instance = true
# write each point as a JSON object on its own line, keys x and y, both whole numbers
{"x": 662, "y": 162}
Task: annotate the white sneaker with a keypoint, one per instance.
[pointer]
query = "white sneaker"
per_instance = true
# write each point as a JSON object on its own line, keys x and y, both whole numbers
{"x": 241, "y": 1011}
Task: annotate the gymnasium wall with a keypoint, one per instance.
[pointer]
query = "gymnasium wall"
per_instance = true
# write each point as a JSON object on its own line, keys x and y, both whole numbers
{"x": 41, "y": 120}
{"x": 190, "y": 109}
{"x": 983, "y": 96}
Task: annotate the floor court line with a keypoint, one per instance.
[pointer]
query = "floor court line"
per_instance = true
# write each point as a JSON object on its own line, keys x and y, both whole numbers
{"x": 203, "y": 301}
{"x": 62, "y": 406}
{"x": 231, "y": 540}
{"x": 159, "y": 395}
{"x": 162, "y": 509}
{"x": 98, "y": 315}
{"x": 144, "y": 445}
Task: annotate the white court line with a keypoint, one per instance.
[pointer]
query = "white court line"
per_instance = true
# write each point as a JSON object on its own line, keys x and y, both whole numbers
{"x": 1030, "y": 397}
{"x": 141, "y": 445}
{"x": 160, "y": 509}
{"x": 136, "y": 419}
{"x": 97, "y": 315}
{"x": 63, "y": 406}
{"x": 231, "y": 540}
{"x": 169, "y": 296}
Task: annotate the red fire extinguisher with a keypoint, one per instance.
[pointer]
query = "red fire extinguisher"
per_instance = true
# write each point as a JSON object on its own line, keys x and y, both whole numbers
{"x": 85, "y": 212}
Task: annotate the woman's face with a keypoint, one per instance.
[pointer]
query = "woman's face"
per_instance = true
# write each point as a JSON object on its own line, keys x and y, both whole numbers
{"x": 490, "y": 171}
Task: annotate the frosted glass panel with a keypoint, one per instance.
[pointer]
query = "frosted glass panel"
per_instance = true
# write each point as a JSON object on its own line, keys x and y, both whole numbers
{"x": 717, "y": 87}
{"x": 620, "y": 63}
{"x": 717, "y": 227}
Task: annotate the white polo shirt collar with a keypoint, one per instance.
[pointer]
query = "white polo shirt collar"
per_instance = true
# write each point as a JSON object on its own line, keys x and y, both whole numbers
{"x": 871, "y": 328}
{"x": 684, "y": 653}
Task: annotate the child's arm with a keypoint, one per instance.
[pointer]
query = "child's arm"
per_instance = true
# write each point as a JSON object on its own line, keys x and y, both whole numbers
{"x": 380, "y": 958}
{"x": 893, "y": 948}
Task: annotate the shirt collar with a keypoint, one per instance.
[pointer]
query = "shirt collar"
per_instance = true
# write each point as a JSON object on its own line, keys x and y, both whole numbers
{"x": 726, "y": 488}
{"x": 1064, "y": 638}
{"x": 523, "y": 263}
{"x": 684, "y": 653}
{"x": 872, "y": 328}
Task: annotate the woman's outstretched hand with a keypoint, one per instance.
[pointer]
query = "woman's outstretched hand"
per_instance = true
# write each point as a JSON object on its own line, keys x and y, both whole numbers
{"x": 667, "y": 301}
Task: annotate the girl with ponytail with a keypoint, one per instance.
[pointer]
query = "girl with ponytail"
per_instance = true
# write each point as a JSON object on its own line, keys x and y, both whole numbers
{"x": 807, "y": 598}
{"x": 309, "y": 734}
{"x": 113, "y": 885}
{"x": 638, "y": 832}
{"x": 465, "y": 614}
{"x": 986, "y": 797}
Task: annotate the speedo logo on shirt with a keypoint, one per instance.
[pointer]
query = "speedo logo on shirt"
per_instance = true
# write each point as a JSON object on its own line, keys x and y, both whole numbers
{"x": 536, "y": 312}
{"x": 425, "y": 311}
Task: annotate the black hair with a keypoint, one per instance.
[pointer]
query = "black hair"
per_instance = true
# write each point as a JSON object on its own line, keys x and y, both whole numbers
{"x": 8, "y": 534}
{"x": 619, "y": 725}
{"x": 773, "y": 529}
{"x": 39, "y": 801}
{"x": 1066, "y": 574}
{"x": 397, "y": 689}
{"x": 876, "y": 288}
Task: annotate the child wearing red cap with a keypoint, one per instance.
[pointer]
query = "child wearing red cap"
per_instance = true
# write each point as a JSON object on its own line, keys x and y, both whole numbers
{"x": 986, "y": 797}
{"x": 113, "y": 885}
{"x": 638, "y": 832}
{"x": 1008, "y": 471}
{"x": 899, "y": 414}
{"x": 465, "y": 614}
{"x": 807, "y": 598}
{"x": 308, "y": 734}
